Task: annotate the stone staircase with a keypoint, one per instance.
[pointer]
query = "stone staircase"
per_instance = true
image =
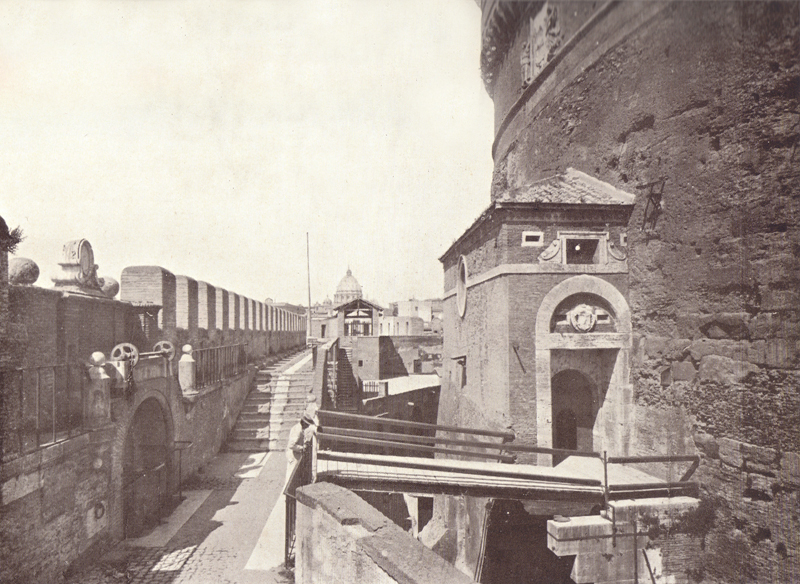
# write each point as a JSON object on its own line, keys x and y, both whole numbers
{"x": 275, "y": 403}
{"x": 347, "y": 390}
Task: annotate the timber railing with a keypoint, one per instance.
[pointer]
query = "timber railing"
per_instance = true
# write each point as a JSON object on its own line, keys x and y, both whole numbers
{"x": 51, "y": 403}
{"x": 420, "y": 439}
{"x": 217, "y": 363}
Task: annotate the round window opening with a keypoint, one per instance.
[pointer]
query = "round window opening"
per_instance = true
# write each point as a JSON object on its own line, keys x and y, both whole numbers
{"x": 461, "y": 286}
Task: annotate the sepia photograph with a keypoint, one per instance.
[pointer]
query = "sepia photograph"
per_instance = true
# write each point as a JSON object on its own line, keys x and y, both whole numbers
{"x": 399, "y": 292}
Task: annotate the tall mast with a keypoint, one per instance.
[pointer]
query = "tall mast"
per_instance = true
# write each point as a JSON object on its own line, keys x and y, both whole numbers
{"x": 308, "y": 266}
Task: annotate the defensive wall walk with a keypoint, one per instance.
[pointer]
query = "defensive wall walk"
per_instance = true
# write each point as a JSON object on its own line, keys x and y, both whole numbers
{"x": 228, "y": 527}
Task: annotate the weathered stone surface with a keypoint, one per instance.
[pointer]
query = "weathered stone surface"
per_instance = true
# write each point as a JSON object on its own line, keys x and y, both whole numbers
{"x": 110, "y": 287}
{"x": 780, "y": 353}
{"x": 790, "y": 468}
{"x": 683, "y": 371}
{"x": 759, "y": 454}
{"x": 730, "y": 452}
{"x": 723, "y": 370}
{"x": 707, "y": 444}
{"x": 726, "y": 325}
{"x": 22, "y": 271}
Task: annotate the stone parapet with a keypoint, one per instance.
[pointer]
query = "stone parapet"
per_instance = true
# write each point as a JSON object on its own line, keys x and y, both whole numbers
{"x": 341, "y": 538}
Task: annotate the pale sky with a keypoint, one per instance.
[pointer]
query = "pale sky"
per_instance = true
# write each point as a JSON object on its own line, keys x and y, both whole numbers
{"x": 209, "y": 137}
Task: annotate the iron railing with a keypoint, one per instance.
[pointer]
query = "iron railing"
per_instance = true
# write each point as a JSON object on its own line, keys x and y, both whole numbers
{"x": 51, "y": 403}
{"x": 374, "y": 388}
{"x": 217, "y": 363}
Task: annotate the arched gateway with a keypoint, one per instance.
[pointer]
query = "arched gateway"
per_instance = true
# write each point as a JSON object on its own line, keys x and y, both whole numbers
{"x": 146, "y": 466}
{"x": 583, "y": 390}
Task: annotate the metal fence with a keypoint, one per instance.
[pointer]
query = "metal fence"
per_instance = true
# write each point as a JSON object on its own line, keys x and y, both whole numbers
{"x": 217, "y": 363}
{"x": 302, "y": 475}
{"x": 51, "y": 403}
{"x": 374, "y": 388}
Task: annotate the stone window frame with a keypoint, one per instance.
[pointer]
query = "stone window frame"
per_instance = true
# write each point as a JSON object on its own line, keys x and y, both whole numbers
{"x": 600, "y": 236}
{"x": 537, "y": 243}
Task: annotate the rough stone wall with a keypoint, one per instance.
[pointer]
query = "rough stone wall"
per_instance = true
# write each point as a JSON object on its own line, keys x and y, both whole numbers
{"x": 704, "y": 97}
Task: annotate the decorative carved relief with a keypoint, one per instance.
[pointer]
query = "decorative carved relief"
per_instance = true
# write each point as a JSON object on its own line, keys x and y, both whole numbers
{"x": 552, "y": 253}
{"x": 79, "y": 272}
{"x": 617, "y": 253}
{"x": 544, "y": 39}
{"x": 583, "y": 318}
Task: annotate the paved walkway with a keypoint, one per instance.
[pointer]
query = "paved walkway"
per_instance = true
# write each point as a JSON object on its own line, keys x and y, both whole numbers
{"x": 228, "y": 529}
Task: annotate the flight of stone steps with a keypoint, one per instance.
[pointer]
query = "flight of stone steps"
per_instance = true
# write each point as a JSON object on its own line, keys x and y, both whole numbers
{"x": 275, "y": 403}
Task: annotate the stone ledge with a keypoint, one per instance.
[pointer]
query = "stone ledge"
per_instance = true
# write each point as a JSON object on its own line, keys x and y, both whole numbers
{"x": 386, "y": 546}
{"x": 343, "y": 505}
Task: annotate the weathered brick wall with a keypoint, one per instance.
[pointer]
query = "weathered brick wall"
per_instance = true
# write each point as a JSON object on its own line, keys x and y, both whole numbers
{"x": 702, "y": 96}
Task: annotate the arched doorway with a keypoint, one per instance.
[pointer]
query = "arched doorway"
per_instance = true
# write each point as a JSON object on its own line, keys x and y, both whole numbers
{"x": 584, "y": 325}
{"x": 574, "y": 412}
{"x": 145, "y": 468}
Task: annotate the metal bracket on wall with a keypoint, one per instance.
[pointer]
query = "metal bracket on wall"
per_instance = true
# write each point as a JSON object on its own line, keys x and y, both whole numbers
{"x": 653, "y": 208}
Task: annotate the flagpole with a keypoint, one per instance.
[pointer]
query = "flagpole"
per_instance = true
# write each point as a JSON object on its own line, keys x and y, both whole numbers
{"x": 308, "y": 266}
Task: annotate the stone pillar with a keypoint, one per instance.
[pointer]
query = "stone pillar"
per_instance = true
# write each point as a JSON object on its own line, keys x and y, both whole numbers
{"x": 234, "y": 312}
{"x": 186, "y": 309}
{"x": 98, "y": 402}
{"x": 155, "y": 285}
{"x": 244, "y": 304}
{"x": 207, "y": 307}
{"x": 187, "y": 370}
{"x": 223, "y": 311}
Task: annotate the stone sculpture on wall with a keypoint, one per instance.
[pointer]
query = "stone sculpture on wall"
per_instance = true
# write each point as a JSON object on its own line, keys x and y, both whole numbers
{"x": 22, "y": 271}
{"x": 79, "y": 272}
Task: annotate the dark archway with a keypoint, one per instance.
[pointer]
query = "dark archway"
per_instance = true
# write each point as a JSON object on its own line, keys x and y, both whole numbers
{"x": 146, "y": 468}
{"x": 574, "y": 411}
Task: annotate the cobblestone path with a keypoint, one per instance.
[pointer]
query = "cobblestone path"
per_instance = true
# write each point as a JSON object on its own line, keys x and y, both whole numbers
{"x": 216, "y": 536}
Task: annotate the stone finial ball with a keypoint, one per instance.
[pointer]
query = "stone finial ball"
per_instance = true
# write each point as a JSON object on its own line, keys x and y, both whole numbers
{"x": 110, "y": 287}
{"x": 187, "y": 349}
{"x": 22, "y": 271}
{"x": 98, "y": 359}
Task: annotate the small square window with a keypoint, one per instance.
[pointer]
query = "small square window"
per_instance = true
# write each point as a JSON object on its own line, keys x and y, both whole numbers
{"x": 360, "y": 363}
{"x": 532, "y": 239}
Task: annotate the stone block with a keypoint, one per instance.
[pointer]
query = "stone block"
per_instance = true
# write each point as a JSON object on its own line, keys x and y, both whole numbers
{"x": 683, "y": 371}
{"x": 760, "y": 483}
{"x": 688, "y": 325}
{"x": 757, "y": 352}
{"x": 790, "y": 468}
{"x": 656, "y": 347}
{"x": 759, "y": 454}
{"x": 730, "y": 452}
{"x": 724, "y": 370}
{"x": 764, "y": 325}
{"x": 707, "y": 444}
{"x": 780, "y": 353}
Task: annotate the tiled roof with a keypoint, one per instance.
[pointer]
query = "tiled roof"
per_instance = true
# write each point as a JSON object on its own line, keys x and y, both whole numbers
{"x": 569, "y": 188}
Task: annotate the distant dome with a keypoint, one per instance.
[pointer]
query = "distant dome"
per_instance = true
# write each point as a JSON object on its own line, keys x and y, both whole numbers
{"x": 347, "y": 290}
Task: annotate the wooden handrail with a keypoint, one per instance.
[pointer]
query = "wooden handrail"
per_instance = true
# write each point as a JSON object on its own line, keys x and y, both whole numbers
{"x": 407, "y": 424}
{"x": 412, "y": 447}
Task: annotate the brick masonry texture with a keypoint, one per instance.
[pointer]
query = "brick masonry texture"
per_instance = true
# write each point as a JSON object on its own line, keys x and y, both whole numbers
{"x": 703, "y": 97}
{"x": 62, "y": 501}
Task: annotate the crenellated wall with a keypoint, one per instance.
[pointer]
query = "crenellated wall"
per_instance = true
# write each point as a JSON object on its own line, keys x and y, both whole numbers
{"x": 65, "y": 491}
{"x": 205, "y": 316}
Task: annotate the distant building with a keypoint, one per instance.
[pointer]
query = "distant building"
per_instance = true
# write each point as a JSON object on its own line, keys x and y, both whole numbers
{"x": 427, "y": 310}
{"x": 347, "y": 290}
{"x": 401, "y": 326}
